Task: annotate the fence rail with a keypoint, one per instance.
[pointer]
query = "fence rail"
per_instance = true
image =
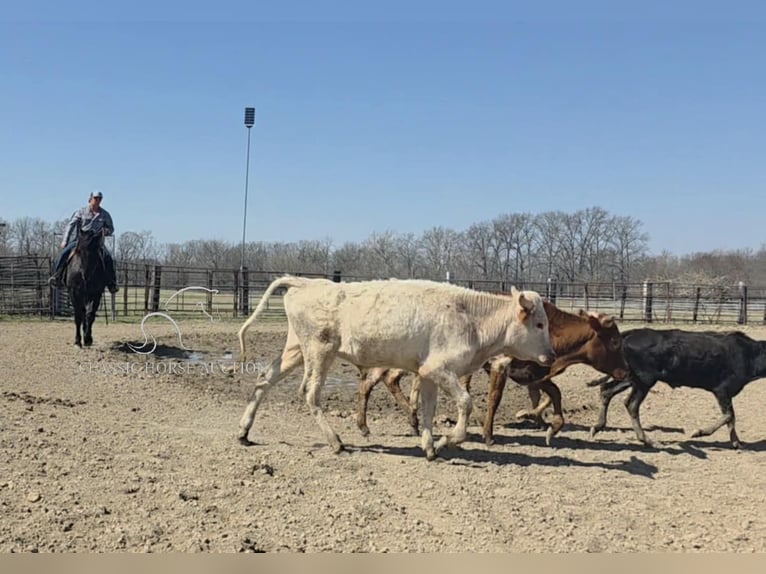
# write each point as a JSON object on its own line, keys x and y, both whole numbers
{"x": 146, "y": 288}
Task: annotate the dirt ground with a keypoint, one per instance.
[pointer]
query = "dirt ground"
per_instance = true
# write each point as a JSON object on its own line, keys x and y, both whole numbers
{"x": 103, "y": 449}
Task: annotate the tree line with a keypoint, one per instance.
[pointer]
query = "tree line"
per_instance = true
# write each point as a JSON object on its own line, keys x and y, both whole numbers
{"x": 589, "y": 245}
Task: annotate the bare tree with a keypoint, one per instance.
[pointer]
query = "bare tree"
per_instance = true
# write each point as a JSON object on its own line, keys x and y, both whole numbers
{"x": 313, "y": 256}
{"x": 629, "y": 246}
{"x": 132, "y": 246}
{"x": 180, "y": 254}
{"x": 480, "y": 249}
{"x": 439, "y": 246}
{"x": 257, "y": 256}
{"x": 382, "y": 250}
{"x": 216, "y": 254}
{"x": 409, "y": 256}
{"x": 32, "y": 236}
{"x": 349, "y": 259}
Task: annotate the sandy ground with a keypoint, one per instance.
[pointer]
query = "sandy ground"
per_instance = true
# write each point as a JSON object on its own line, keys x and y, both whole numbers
{"x": 106, "y": 450}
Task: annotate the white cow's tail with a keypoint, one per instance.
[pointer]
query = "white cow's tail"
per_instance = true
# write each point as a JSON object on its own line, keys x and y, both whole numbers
{"x": 288, "y": 281}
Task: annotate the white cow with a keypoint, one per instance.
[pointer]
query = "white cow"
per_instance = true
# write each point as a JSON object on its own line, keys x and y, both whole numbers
{"x": 436, "y": 330}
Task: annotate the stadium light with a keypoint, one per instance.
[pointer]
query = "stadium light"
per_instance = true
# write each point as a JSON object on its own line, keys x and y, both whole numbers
{"x": 249, "y": 123}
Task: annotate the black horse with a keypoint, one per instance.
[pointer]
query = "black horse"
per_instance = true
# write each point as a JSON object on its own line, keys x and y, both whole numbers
{"x": 85, "y": 281}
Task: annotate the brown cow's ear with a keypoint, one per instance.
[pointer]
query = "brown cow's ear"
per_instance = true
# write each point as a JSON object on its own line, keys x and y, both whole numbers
{"x": 594, "y": 322}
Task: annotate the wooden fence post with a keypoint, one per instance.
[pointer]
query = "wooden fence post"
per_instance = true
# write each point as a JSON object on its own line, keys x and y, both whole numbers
{"x": 209, "y": 290}
{"x": 742, "y": 319}
{"x": 623, "y": 300}
{"x": 157, "y": 285}
{"x": 552, "y": 288}
{"x": 125, "y": 289}
{"x": 147, "y": 286}
{"x": 236, "y": 292}
{"x": 696, "y": 304}
{"x": 587, "y": 298}
{"x": 647, "y": 300}
{"x": 245, "y": 292}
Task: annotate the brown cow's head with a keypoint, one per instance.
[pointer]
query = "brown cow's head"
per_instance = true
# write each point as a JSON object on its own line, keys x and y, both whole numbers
{"x": 604, "y": 350}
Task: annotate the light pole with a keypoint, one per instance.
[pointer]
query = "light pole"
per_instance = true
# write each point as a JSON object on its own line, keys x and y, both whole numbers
{"x": 249, "y": 123}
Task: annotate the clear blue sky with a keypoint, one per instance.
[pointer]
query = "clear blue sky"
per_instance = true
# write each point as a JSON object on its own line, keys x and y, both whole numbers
{"x": 387, "y": 115}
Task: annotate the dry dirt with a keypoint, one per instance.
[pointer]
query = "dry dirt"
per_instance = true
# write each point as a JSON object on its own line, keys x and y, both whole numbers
{"x": 105, "y": 450}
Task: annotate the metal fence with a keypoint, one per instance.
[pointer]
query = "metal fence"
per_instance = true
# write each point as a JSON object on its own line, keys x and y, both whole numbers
{"x": 24, "y": 286}
{"x": 146, "y": 288}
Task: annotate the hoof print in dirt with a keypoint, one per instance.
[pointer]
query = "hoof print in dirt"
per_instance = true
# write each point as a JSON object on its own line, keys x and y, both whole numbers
{"x": 187, "y": 496}
{"x": 263, "y": 468}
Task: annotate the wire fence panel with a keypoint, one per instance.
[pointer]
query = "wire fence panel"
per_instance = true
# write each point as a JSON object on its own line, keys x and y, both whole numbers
{"x": 24, "y": 286}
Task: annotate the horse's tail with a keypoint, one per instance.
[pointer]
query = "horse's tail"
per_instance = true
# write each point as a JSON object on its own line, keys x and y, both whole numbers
{"x": 286, "y": 281}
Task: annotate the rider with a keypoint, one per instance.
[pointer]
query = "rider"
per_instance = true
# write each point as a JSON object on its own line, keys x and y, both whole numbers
{"x": 89, "y": 218}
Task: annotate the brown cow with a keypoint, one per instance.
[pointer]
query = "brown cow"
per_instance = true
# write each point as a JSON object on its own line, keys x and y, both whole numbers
{"x": 588, "y": 338}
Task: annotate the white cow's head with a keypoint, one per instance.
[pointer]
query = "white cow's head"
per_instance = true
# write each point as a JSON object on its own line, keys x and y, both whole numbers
{"x": 528, "y": 334}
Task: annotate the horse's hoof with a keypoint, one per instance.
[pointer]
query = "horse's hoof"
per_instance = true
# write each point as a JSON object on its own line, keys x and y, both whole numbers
{"x": 365, "y": 431}
{"x": 244, "y": 441}
{"x": 430, "y": 455}
{"x": 338, "y": 448}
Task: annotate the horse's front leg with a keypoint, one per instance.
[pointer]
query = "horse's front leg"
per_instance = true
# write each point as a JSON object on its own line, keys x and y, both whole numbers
{"x": 92, "y": 311}
{"x": 79, "y": 316}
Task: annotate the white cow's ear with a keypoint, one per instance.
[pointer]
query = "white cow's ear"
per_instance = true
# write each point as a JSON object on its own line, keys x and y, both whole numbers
{"x": 514, "y": 291}
{"x": 527, "y": 304}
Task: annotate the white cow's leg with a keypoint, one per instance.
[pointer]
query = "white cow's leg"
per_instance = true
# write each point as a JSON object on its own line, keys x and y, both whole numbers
{"x": 428, "y": 408}
{"x": 290, "y": 359}
{"x": 414, "y": 402}
{"x": 451, "y": 385}
{"x": 318, "y": 362}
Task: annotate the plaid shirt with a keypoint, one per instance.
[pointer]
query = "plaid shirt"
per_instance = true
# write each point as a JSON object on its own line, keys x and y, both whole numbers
{"x": 86, "y": 219}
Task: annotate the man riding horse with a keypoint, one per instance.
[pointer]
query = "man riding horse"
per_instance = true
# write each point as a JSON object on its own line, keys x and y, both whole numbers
{"x": 91, "y": 218}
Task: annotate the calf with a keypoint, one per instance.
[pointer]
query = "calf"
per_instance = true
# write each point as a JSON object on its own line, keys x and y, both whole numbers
{"x": 592, "y": 339}
{"x": 436, "y": 330}
{"x": 368, "y": 378}
{"x": 722, "y": 363}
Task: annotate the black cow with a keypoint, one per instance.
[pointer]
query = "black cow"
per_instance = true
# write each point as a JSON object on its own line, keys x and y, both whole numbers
{"x": 719, "y": 362}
